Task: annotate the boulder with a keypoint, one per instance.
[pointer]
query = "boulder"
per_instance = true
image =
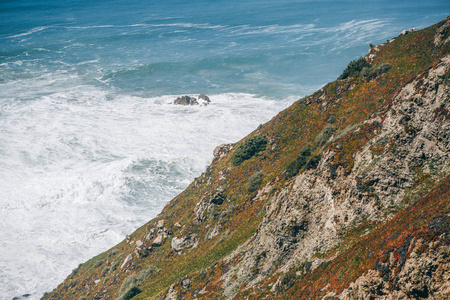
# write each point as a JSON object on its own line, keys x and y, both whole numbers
{"x": 181, "y": 243}
{"x": 157, "y": 241}
{"x": 405, "y": 32}
{"x": 160, "y": 224}
{"x": 185, "y": 100}
{"x": 205, "y": 99}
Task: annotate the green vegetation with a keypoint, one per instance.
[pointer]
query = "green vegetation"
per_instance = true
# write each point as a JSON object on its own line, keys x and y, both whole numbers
{"x": 129, "y": 287}
{"x": 371, "y": 73}
{"x": 254, "y": 182}
{"x": 354, "y": 68}
{"x": 325, "y": 135}
{"x": 313, "y": 162}
{"x": 294, "y": 167}
{"x": 248, "y": 149}
{"x": 130, "y": 293}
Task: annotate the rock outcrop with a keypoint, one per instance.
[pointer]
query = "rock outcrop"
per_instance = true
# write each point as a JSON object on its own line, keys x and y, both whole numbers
{"x": 181, "y": 243}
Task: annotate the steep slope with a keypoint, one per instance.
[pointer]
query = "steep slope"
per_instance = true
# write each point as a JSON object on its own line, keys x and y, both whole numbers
{"x": 343, "y": 194}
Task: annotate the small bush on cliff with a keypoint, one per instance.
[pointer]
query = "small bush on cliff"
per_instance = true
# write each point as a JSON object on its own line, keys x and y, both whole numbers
{"x": 294, "y": 167}
{"x": 354, "y": 68}
{"x": 371, "y": 73}
{"x": 248, "y": 149}
{"x": 254, "y": 182}
{"x": 325, "y": 135}
{"x": 129, "y": 285}
{"x": 130, "y": 293}
{"x": 313, "y": 162}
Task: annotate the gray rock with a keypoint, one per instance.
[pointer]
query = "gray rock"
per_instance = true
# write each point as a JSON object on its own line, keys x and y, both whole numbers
{"x": 160, "y": 224}
{"x": 181, "y": 243}
{"x": 185, "y": 100}
{"x": 222, "y": 150}
{"x": 205, "y": 99}
{"x": 157, "y": 241}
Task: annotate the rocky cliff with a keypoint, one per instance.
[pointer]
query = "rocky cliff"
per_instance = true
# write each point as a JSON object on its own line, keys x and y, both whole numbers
{"x": 346, "y": 194}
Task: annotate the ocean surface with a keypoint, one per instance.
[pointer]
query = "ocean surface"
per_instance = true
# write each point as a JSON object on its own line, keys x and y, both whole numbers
{"x": 91, "y": 146}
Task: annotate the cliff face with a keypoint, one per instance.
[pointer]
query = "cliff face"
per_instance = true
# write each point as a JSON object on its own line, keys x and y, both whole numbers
{"x": 345, "y": 194}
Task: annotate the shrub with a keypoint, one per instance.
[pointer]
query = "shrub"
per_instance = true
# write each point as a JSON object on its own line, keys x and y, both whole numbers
{"x": 313, "y": 162}
{"x": 287, "y": 280}
{"x": 248, "y": 149}
{"x": 99, "y": 263}
{"x": 325, "y": 134}
{"x": 354, "y": 68}
{"x": 130, "y": 293}
{"x": 135, "y": 280}
{"x": 294, "y": 167}
{"x": 113, "y": 252}
{"x": 114, "y": 266}
{"x": 254, "y": 182}
{"x": 370, "y": 73}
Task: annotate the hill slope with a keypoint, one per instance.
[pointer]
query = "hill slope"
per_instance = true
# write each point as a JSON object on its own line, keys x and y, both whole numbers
{"x": 344, "y": 194}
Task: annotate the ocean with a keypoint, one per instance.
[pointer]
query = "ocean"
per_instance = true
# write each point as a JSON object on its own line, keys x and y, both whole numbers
{"x": 91, "y": 146}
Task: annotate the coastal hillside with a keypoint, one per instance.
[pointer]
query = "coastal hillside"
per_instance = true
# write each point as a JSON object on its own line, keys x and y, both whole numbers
{"x": 345, "y": 194}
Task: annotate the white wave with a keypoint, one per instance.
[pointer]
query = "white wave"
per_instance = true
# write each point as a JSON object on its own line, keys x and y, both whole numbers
{"x": 29, "y": 32}
{"x": 272, "y": 29}
{"x": 145, "y": 25}
{"x": 345, "y": 35}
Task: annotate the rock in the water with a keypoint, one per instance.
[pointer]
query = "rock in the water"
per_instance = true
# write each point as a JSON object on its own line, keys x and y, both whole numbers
{"x": 185, "y": 100}
{"x": 205, "y": 99}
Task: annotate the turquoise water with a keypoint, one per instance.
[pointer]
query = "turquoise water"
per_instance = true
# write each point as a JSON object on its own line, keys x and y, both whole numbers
{"x": 91, "y": 146}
